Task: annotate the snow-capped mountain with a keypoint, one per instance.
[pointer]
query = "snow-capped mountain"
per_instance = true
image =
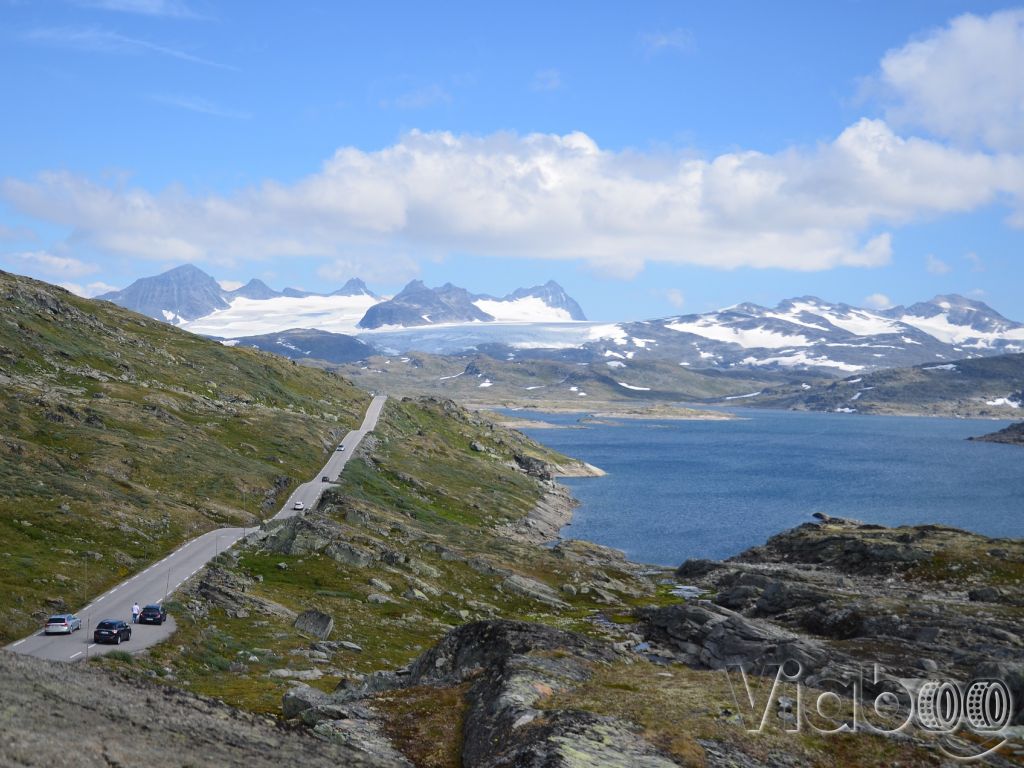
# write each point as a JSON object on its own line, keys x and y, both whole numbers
{"x": 542, "y": 303}
{"x": 808, "y": 332}
{"x": 180, "y": 294}
{"x": 188, "y": 297}
{"x": 416, "y": 304}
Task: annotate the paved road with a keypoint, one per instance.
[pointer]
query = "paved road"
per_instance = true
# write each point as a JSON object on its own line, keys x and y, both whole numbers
{"x": 161, "y": 579}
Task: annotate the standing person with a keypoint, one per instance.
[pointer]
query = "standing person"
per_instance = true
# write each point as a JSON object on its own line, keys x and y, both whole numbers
{"x": 135, "y": 613}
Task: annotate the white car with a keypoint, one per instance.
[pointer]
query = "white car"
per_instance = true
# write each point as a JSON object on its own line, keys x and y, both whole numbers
{"x": 298, "y": 505}
{"x": 341, "y": 448}
{"x": 62, "y": 624}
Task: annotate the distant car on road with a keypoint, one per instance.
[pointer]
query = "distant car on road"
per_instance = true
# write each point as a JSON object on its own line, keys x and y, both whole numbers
{"x": 112, "y": 631}
{"x": 325, "y": 479}
{"x": 341, "y": 448}
{"x": 153, "y": 614}
{"x": 62, "y": 624}
{"x": 298, "y": 505}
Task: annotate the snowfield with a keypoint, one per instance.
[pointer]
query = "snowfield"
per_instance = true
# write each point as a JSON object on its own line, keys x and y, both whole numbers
{"x": 252, "y": 317}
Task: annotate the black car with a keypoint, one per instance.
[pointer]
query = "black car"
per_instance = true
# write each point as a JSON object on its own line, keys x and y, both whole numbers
{"x": 112, "y": 631}
{"x": 153, "y": 614}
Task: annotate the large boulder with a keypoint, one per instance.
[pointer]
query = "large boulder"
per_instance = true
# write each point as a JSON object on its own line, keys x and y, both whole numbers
{"x": 316, "y": 623}
{"x": 707, "y": 635}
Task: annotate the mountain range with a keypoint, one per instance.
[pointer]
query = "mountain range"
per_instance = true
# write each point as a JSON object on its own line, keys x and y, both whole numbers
{"x": 800, "y": 334}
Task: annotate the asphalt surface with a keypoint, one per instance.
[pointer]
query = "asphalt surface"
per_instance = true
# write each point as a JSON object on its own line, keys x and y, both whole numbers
{"x": 161, "y": 579}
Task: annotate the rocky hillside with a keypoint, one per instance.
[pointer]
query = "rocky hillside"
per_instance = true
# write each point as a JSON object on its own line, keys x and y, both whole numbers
{"x": 120, "y": 437}
{"x": 976, "y": 387}
{"x": 415, "y": 617}
{"x": 82, "y": 716}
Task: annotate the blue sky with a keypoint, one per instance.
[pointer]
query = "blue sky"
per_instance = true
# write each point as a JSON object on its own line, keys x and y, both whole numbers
{"x": 654, "y": 158}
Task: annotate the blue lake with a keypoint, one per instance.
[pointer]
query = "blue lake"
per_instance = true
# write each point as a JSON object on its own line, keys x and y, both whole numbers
{"x": 680, "y": 489}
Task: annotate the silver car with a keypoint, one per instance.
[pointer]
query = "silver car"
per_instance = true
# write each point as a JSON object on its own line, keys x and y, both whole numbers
{"x": 62, "y": 624}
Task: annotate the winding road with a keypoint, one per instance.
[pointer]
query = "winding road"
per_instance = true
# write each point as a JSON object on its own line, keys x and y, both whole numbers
{"x": 162, "y": 578}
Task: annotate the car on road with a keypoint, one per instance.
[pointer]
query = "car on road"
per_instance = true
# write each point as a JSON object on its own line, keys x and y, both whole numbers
{"x": 298, "y": 505}
{"x": 62, "y": 624}
{"x": 325, "y": 479}
{"x": 153, "y": 614}
{"x": 112, "y": 631}
{"x": 340, "y": 448}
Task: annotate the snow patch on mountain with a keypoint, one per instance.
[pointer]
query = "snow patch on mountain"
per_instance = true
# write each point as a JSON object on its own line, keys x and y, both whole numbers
{"x": 748, "y": 338}
{"x": 528, "y": 309}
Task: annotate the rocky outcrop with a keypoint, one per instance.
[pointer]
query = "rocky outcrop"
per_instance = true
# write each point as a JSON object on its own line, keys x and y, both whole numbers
{"x": 512, "y": 668}
{"x": 1011, "y": 435}
{"x": 706, "y": 635}
{"x": 316, "y": 623}
{"x": 918, "y": 600}
{"x": 81, "y": 716}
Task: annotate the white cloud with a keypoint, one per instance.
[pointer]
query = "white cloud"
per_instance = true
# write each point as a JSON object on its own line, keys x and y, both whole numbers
{"x": 963, "y": 81}
{"x": 936, "y": 265}
{"x": 977, "y": 265}
{"x": 548, "y": 196}
{"x": 46, "y": 263}
{"x": 87, "y": 291}
{"x": 547, "y": 80}
{"x": 877, "y": 301}
{"x": 230, "y": 285}
{"x": 675, "y": 297}
{"x": 679, "y": 40}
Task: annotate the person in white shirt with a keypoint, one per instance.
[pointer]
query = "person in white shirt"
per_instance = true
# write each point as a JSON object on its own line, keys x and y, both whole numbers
{"x": 135, "y": 613}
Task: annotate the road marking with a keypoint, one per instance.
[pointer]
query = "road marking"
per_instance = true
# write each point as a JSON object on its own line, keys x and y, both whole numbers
{"x": 75, "y": 656}
{"x": 19, "y": 643}
{"x": 92, "y": 646}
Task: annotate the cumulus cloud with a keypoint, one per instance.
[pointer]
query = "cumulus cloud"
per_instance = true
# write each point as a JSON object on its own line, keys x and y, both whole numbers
{"x": 936, "y": 265}
{"x": 878, "y": 301}
{"x": 548, "y": 196}
{"x": 963, "y": 81}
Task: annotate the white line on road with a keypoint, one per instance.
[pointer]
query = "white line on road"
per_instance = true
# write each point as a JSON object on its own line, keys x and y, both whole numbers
{"x": 92, "y": 646}
{"x": 76, "y": 655}
{"x": 19, "y": 642}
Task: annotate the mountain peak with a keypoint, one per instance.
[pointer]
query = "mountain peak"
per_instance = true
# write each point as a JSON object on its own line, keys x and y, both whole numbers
{"x": 254, "y": 289}
{"x": 182, "y": 293}
{"x": 552, "y": 294}
{"x": 354, "y": 287}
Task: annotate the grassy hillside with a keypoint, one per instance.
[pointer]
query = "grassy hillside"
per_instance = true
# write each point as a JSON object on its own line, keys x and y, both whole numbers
{"x": 978, "y": 387}
{"x": 421, "y": 511}
{"x": 120, "y": 437}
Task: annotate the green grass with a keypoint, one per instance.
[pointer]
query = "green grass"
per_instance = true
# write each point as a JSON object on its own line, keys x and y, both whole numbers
{"x": 421, "y": 491}
{"x": 122, "y": 437}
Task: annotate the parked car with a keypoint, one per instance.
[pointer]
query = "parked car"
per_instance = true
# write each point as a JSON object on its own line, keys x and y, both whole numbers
{"x": 153, "y": 614}
{"x": 112, "y": 631}
{"x": 298, "y": 505}
{"x": 62, "y": 624}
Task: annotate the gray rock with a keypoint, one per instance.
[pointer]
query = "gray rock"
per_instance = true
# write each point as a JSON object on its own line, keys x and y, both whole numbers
{"x": 300, "y": 698}
{"x": 377, "y": 598}
{"x": 533, "y": 589}
{"x": 380, "y": 584}
{"x": 316, "y": 623}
